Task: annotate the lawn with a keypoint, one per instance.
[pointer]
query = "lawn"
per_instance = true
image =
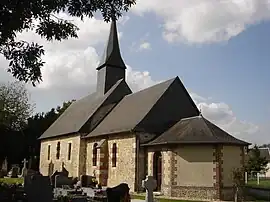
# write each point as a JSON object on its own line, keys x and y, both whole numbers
{"x": 264, "y": 183}
{"x": 11, "y": 180}
{"x": 160, "y": 199}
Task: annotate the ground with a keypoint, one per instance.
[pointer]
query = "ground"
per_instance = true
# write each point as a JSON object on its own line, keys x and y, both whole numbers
{"x": 264, "y": 183}
{"x": 160, "y": 199}
{"x": 11, "y": 180}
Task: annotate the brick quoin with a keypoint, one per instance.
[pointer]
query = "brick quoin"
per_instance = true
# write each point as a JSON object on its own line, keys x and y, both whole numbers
{"x": 102, "y": 168}
{"x": 217, "y": 170}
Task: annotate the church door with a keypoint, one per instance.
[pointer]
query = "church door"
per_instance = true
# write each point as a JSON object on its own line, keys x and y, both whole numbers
{"x": 157, "y": 169}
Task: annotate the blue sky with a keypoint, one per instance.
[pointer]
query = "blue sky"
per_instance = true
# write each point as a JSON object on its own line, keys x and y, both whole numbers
{"x": 219, "y": 49}
{"x": 236, "y": 71}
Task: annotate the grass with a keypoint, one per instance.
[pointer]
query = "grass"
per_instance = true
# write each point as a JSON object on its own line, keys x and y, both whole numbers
{"x": 264, "y": 183}
{"x": 11, "y": 180}
{"x": 160, "y": 199}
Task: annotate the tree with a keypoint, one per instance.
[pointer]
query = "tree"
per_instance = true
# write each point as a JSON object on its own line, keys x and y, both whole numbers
{"x": 41, "y": 16}
{"x": 15, "y": 109}
{"x": 256, "y": 163}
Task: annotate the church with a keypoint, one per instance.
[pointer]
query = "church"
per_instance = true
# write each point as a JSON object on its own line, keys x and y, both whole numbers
{"x": 123, "y": 136}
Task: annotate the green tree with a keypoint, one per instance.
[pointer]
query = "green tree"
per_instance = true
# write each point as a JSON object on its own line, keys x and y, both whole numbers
{"x": 15, "y": 109}
{"x": 256, "y": 163}
{"x": 41, "y": 17}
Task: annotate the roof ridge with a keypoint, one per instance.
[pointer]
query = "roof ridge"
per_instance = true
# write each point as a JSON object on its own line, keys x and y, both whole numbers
{"x": 157, "y": 84}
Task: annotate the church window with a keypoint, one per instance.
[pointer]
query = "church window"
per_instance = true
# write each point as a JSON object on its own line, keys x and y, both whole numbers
{"x": 69, "y": 151}
{"x": 114, "y": 154}
{"x": 95, "y": 154}
{"x": 49, "y": 152}
{"x": 58, "y": 150}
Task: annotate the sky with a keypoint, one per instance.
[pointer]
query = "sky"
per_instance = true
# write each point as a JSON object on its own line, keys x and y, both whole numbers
{"x": 219, "y": 49}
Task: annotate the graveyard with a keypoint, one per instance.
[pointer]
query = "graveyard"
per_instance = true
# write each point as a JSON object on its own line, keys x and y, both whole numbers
{"x": 27, "y": 185}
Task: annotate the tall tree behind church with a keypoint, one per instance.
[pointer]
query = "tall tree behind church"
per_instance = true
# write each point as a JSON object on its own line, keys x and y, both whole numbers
{"x": 15, "y": 109}
{"x": 36, "y": 126}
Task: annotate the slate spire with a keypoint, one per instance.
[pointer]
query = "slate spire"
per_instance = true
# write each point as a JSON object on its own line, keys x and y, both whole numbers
{"x": 111, "y": 67}
{"x": 112, "y": 55}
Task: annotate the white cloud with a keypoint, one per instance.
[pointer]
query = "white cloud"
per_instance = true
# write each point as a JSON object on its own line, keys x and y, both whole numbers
{"x": 70, "y": 73}
{"x": 205, "y": 21}
{"x": 145, "y": 46}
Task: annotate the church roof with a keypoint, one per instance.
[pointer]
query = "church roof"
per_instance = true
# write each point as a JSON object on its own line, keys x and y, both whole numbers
{"x": 112, "y": 55}
{"x": 148, "y": 110}
{"x": 79, "y": 112}
{"x": 131, "y": 110}
{"x": 195, "y": 130}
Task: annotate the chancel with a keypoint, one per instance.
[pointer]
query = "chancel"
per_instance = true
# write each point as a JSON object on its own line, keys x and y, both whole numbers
{"x": 124, "y": 136}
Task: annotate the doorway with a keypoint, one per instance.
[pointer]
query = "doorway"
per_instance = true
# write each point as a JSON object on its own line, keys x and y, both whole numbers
{"x": 157, "y": 169}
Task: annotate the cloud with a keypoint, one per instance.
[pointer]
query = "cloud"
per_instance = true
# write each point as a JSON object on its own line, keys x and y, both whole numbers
{"x": 222, "y": 115}
{"x": 145, "y": 46}
{"x": 70, "y": 73}
{"x": 205, "y": 21}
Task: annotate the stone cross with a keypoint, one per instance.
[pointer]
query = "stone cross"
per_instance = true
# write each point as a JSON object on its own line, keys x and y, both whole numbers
{"x": 24, "y": 162}
{"x": 24, "y": 169}
{"x": 149, "y": 184}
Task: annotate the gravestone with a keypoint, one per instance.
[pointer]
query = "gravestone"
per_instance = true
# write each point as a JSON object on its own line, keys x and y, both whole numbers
{"x": 61, "y": 180}
{"x": 118, "y": 193}
{"x": 13, "y": 173}
{"x": 88, "y": 181}
{"x": 38, "y": 188}
{"x": 4, "y": 167}
{"x": 149, "y": 184}
{"x": 24, "y": 169}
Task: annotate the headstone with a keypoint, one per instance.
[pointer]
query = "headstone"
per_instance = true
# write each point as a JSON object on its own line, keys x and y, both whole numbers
{"x": 64, "y": 170}
{"x": 61, "y": 181}
{"x": 4, "y": 167}
{"x": 87, "y": 181}
{"x": 13, "y": 173}
{"x": 118, "y": 193}
{"x": 149, "y": 184}
{"x": 38, "y": 188}
{"x": 24, "y": 169}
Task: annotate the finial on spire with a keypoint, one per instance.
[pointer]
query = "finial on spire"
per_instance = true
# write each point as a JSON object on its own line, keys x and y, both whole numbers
{"x": 112, "y": 55}
{"x": 200, "y": 111}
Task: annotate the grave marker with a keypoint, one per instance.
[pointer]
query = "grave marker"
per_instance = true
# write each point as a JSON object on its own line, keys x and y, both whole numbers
{"x": 149, "y": 184}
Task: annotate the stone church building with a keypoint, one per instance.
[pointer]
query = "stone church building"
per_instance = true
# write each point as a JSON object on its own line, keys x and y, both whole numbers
{"x": 123, "y": 136}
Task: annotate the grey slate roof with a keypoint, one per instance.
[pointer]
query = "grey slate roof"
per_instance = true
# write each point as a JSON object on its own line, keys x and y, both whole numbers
{"x": 79, "y": 112}
{"x": 112, "y": 55}
{"x": 195, "y": 130}
{"x": 131, "y": 110}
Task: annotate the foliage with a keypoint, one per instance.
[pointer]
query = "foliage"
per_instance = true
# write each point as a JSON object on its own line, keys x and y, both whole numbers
{"x": 14, "y": 106}
{"x": 10, "y": 181}
{"x": 238, "y": 177}
{"x": 41, "y": 17}
{"x": 256, "y": 163}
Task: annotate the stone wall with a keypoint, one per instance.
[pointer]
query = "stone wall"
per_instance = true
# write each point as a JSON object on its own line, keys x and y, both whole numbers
{"x": 125, "y": 170}
{"x": 71, "y": 165}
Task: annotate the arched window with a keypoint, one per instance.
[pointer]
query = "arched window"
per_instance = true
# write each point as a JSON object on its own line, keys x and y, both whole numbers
{"x": 114, "y": 154}
{"x": 58, "y": 150}
{"x": 95, "y": 154}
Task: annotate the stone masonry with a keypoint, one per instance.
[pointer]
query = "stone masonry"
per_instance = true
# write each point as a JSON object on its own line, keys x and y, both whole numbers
{"x": 71, "y": 165}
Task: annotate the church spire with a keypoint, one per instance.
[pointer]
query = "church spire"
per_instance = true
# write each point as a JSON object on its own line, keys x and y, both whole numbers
{"x": 111, "y": 67}
{"x": 112, "y": 55}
